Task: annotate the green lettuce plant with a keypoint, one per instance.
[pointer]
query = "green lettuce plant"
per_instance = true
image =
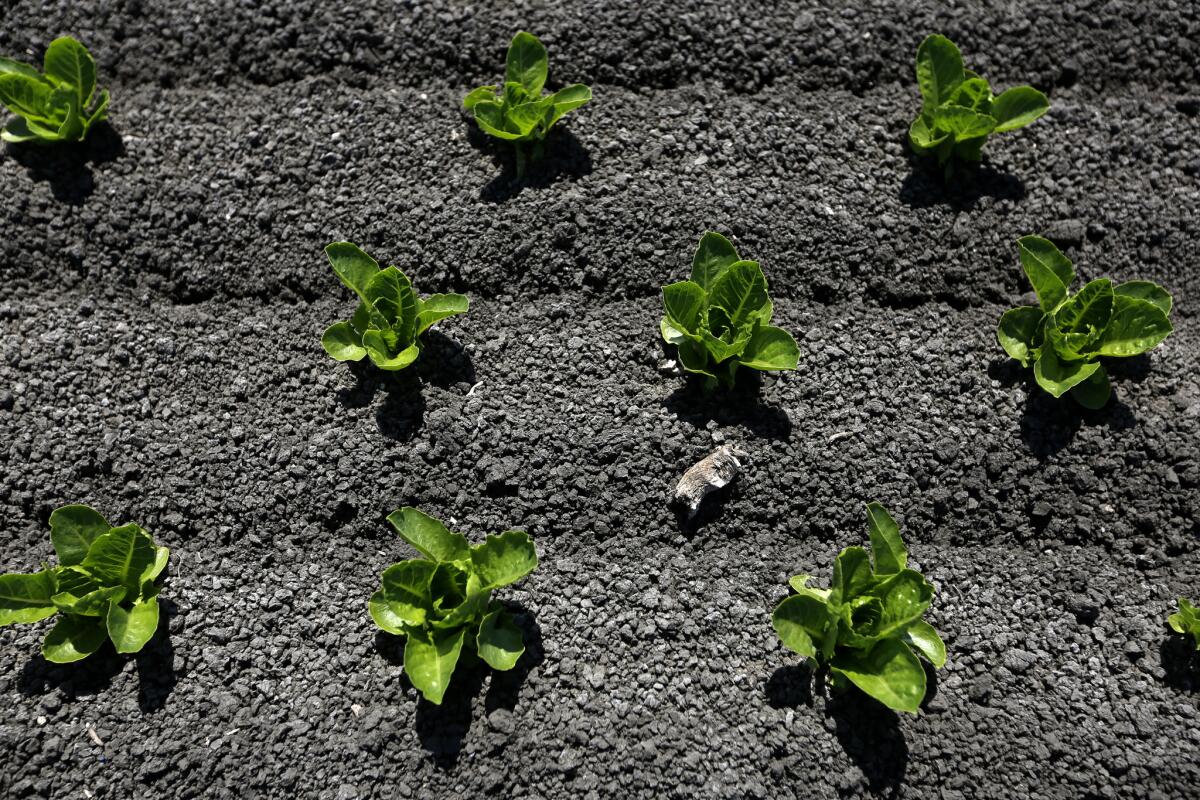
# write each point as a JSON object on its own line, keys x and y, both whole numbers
{"x": 103, "y": 587}
{"x": 1187, "y": 621}
{"x": 56, "y": 104}
{"x": 719, "y": 320}
{"x": 958, "y": 109}
{"x": 517, "y": 112}
{"x": 390, "y": 318}
{"x": 442, "y": 603}
{"x": 1065, "y": 335}
{"x": 867, "y": 628}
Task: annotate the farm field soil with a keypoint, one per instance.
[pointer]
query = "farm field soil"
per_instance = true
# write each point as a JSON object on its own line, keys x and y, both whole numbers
{"x": 164, "y": 291}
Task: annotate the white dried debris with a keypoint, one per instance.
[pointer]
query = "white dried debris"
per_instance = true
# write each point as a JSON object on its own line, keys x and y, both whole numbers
{"x": 712, "y": 472}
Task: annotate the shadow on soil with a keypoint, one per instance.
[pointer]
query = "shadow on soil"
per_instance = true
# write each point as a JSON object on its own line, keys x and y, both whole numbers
{"x": 868, "y": 731}
{"x": 925, "y": 187}
{"x": 67, "y": 166}
{"x": 443, "y": 363}
{"x": 1049, "y": 424}
{"x": 564, "y": 156}
{"x": 741, "y": 406}
{"x": 155, "y": 666}
{"x": 1180, "y": 661}
{"x": 442, "y": 729}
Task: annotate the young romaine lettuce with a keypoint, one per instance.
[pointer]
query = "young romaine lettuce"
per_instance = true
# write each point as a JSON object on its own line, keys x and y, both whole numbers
{"x": 1187, "y": 621}
{"x": 103, "y": 587}
{"x": 1065, "y": 335}
{"x": 390, "y": 318}
{"x": 867, "y": 628}
{"x": 517, "y": 112}
{"x": 56, "y": 104}
{"x": 958, "y": 109}
{"x": 719, "y": 320}
{"x": 442, "y": 603}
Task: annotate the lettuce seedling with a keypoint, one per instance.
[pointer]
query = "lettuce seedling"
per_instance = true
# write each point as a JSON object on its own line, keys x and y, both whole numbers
{"x": 54, "y": 105}
{"x": 719, "y": 319}
{"x": 958, "y": 109}
{"x": 517, "y": 112}
{"x": 1187, "y": 621}
{"x": 1065, "y": 335}
{"x": 103, "y": 586}
{"x": 442, "y": 603}
{"x": 867, "y": 628}
{"x": 390, "y": 318}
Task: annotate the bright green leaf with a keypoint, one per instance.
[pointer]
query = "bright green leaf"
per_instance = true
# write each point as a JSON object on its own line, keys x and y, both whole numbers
{"x": 939, "y": 70}
{"x": 1049, "y": 271}
{"x": 130, "y": 628}
{"x": 887, "y": 547}
{"x": 921, "y": 636}
{"x": 73, "y": 638}
{"x": 923, "y": 137}
{"x": 1148, "y": 291}
{"x": 27, "y": 97}
{"x": 430, "y": 658}
{"x": 770, "y": 348}
{"x": 889, "y": 672}
{"x": 1057, "y": 376}
{"x": 684, "y": 302}
{"x": 741, "y": 290}
{"x": 73, "y": 529}
{"x": 527, "y": 63}
{"x": 431, "y": 538}
{"x": 476, "y": 95}
{"x": 1018, "y": 107}
{"x": 904, "y": 597}
{"x": 504, "y": 559}
{"x": 962, "y": 122}
{"x": 7, "y": 65}
{"x": 341, "y": 341}
{"x": 1018, "y": 331}
{"x": 802, "y": 622}
{"x": 499, "y": 641}
{"x": 26, "y": 598}
{"x": 68, "y": 62}
{"x": 852, "y": 575}
{"x": 406, "y": 589}
{"x": 714, "y": 255}
{"x": 352, "y": 266}
{"x": 975, "y": 94}
{"x": 490, "y": 117}
{"x": 1135, "y": 327}
{"x": 568, "y": 99}
{"x": 383, "y": 615}
{"x": 120, "y": 557}
{"x": 438, "y": 307}
{"x": 1089, "y": 310}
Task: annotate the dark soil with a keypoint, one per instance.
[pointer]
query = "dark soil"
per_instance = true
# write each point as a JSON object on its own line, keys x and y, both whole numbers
{"x": 163, "y": 293}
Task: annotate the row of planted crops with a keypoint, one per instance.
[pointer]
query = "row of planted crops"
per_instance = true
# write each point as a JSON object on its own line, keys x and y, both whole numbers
{"x": 867, "y": 629}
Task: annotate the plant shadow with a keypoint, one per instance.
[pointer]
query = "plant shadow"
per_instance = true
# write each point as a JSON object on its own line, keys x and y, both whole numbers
{"x": 741, "y": 406}
{"x": 155, "y": 666}
{"x": 67, "y": 166}
{"x": 443, "y": 363}
{"x": 870, "y": 735}
{"x": 565, "y": 156}
{"x": 790, "y": 686}
{"x": 925, "y": 187}
{"x": 442, "y": 729}
{"x": 1180, "y": 662}
{"x": 1048, "y": 424}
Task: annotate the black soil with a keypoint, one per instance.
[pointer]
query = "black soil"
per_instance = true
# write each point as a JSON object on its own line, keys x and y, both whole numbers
{"x": 163, "y": 292}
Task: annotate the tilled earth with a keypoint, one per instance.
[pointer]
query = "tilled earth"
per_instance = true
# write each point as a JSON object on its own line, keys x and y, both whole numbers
{"x": 164, "y": 292}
